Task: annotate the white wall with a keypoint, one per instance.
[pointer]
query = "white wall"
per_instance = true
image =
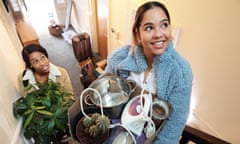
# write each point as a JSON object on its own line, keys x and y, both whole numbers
{"x": 10, "y": 66}
{"x": 211, "y": 43}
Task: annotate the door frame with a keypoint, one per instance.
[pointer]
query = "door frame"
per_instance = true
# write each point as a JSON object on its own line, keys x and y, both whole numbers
{"x": 95, "y": 28}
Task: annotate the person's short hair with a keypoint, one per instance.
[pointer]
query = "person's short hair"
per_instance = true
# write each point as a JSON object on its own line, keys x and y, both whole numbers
{"x": 27, "y": 50}
{"x": 140, "y": 13}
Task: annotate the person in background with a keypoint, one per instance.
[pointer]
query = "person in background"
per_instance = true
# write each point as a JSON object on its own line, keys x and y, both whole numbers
{"x": 156, "y": 66}
{"x": 39, "y": 70}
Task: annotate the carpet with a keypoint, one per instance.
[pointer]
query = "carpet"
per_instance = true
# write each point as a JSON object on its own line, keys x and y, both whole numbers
{"x": 61, "y": 54}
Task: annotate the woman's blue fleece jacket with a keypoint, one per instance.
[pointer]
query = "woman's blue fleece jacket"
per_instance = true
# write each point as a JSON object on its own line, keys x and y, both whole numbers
{"x": 174, "y": 83}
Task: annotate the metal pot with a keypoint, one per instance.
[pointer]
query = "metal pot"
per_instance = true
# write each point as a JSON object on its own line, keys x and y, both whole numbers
{"x": 115, "y": 93}
{"x": 161, "y": 109}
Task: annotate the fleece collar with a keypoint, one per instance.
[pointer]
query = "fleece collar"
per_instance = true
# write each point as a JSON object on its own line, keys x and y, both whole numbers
{"x": 139, "y": 64}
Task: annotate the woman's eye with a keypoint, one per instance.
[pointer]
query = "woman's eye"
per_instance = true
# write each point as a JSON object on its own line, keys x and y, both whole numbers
{"x": 42, "y": 57}
{"x": 148, "y": 28}
{"x": 164, "y": 25}
{"x": 35, "y": 62}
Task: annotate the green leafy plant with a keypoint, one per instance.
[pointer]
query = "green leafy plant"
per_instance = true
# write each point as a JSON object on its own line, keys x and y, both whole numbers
{"x": 96, "y": 124}
{"x": 44, "y": 113}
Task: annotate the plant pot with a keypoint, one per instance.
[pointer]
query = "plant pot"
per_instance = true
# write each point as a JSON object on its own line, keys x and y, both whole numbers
{"x": 79, "y": 133}
{"x": 84, "y": 138}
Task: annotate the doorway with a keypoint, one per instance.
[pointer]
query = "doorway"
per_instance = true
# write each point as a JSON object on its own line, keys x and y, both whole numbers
{"x": 40, "y": 13}
{"x": 102, "y": 26}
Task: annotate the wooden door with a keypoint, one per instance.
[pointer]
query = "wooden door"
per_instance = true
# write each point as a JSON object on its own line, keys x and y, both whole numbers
{"x": 101, "y": 24}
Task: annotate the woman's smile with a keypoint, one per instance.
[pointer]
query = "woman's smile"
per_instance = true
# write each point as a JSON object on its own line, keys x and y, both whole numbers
{"x": 158, "y": 44}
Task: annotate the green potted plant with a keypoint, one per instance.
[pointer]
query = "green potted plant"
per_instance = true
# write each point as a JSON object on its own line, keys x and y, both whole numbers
{"x": 93, "y": 129}
{"x": 44, "y": 113}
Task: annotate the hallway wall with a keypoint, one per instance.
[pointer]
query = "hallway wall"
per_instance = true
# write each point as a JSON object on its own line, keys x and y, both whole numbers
{"x": 210, "y": 41}
{"x": 10, "y": 66}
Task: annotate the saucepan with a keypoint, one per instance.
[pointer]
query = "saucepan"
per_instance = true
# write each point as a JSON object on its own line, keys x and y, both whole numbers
{"x": 161, "y": 109}
{"x": 114, "y": 91}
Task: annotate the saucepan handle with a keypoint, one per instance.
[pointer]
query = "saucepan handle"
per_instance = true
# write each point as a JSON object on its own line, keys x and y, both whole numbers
{"x": 81, "y": 100}
{"x": 87, "y": 100}
{"x": 132, "y": 85}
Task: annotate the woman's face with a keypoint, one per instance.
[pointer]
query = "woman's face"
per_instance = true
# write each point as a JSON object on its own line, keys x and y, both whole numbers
{"x": 39, "y": 62}
{"x": 154, "y": 32}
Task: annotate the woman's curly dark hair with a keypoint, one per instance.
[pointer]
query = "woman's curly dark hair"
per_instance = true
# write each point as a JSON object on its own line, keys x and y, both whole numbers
{"x": 27, "y": 50}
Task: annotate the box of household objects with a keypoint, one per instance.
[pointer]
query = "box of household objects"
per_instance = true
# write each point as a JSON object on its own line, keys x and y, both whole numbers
{"x": 158, "y": 112}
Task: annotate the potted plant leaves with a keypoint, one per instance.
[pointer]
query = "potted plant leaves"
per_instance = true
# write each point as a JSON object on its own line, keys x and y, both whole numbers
{"x": 44, "y": 113}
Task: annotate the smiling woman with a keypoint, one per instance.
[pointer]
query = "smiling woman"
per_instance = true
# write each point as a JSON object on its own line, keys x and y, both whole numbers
{"x": 156, "y": 66}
